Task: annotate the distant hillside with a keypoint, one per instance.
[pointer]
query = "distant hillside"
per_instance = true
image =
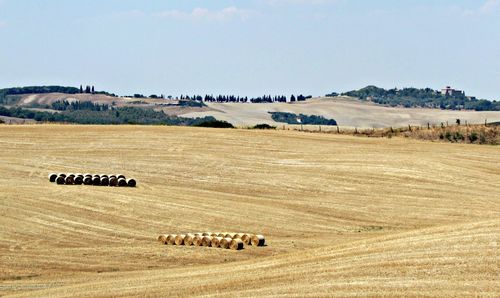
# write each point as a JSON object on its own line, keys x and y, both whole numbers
{"x": 423, "y": 98}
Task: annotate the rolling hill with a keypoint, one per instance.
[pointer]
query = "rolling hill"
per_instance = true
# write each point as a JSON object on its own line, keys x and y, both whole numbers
{"x": 343, "y": 216}
{"x": 347, "y": 111}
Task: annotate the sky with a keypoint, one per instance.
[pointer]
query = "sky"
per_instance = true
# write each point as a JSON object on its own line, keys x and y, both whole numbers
{"x": 253, "y": 47}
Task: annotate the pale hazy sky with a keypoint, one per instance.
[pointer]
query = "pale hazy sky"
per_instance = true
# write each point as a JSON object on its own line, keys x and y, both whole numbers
{"x": 251, "y": 47}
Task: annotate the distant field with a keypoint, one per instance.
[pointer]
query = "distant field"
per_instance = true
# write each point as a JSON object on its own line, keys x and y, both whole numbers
{"x": 343, "y": 215}
{"x": 347, "y": 112}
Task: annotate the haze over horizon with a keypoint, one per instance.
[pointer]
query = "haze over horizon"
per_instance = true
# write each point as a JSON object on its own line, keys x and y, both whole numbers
{"x": 253, "y": 47}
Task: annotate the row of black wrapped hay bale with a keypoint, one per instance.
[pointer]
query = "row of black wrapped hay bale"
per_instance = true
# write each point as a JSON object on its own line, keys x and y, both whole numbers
{"x": 89, "y": 179}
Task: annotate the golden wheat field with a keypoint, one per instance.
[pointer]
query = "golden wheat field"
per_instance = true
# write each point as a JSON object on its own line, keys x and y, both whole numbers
{"x": 343, "y": 216}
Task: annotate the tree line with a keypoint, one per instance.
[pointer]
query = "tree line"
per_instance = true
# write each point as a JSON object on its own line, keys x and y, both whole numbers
{"x": 245, "y": 99}
{"x": 292, "y": 118}
{"x": 422, "y": 98}
{"x": 122, "y": 115}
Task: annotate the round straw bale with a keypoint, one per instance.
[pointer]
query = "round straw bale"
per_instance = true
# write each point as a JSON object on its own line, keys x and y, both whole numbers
{"x": 238, "y": 235}
{"x": 70, "y": 180}
{"x": 197, "y": 234}
{"x": 216, "y": 241}
{"x": 258, "y": 240}
{"x": 206, "y": 234}
{"x": 229, "y": 235}
{"x": 162, "y": 238}
{"x": 171, "y": 239}
{"x": 131, "y": 182}
{"x": 61, "y": 174}
{"x": 120, "y": 176}
{"x": 96, "y": 181}
{"x": 247, "y": 239}
{"x": 87, "y": 180}
{"x": 179, "y": 239}
{"x": 122, "y": 182}
{"x": 113, "y": 181}
{"x": 214, "y": 235}
{"x": 52, "y": 177}
{"x": 78, "y": 180}
{"x": 104, "y": 181}
{"x": 224, "y": 243}
{"x": 60, "y": 180}
{"x": 197, "y": 240}
{"x": 221, "y": 235}
{"x": 188, "y": 240}
{"x": 206, "y": 241}
{"x": 236, "y": 244}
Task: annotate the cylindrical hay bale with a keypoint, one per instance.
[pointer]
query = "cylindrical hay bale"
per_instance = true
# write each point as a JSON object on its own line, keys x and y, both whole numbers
{"x": 206, "y": 241}
{"x": 206, "y": 234}
{"x": 122, "y": 182}
{"x": 87, "y": 174}
{"x": 170, "y": 239}
{"x": 179, "y": 239}
{"x": 247, "y": 239}
{"x": 69, "y": 180}
{"x": 78, "y": 180}
{"x": 238, "y": 235}
{"x": 70, "y": 175}
{"x": 258, "y": 240}
{"x": 229, "y": 235}
{"x": 236, "y": 244}
{"x": 95, "y": 175}
{"x": 162, "y": 239}
{"x": 52, "y": 177}
{"x": 188, "y": 240}
{"x": 131, "y": 183}
{"x": 120, "y": 176}
{"x": 224, "y": 243}
{"x": 96, "y": 181}
{"x": 216, "y": 241}
{"x": 79, "y": 175}
{"x": 104, "y": 175}
{"x": 214, "y": 235}
{"x": 104, "y": 181}
{"x": 111, "y": 176}
{"x": 87, "y": 180}
{"x": 61, "y": 180}
{"x": 197, "y": 240}
{"x": 61, "y": 174}
{"x": 221, "y": 235}
{"x": 113, "y": 181}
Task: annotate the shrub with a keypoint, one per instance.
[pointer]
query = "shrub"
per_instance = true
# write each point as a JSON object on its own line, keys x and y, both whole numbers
{"x": 473, "y": 137}
{"x": 263, "y": 126}
{"x": 215, "y": 124}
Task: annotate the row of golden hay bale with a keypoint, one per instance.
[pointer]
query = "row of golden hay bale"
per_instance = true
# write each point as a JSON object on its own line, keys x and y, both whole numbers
{"x": 89, "y": 179}
{"x": 235, "y": 241}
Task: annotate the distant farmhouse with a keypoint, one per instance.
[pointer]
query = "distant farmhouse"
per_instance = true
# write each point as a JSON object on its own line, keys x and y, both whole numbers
{"x": 448, "y": 91}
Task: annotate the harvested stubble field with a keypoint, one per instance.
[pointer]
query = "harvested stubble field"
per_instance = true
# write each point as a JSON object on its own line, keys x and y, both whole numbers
{"x": 342, "y": 215}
